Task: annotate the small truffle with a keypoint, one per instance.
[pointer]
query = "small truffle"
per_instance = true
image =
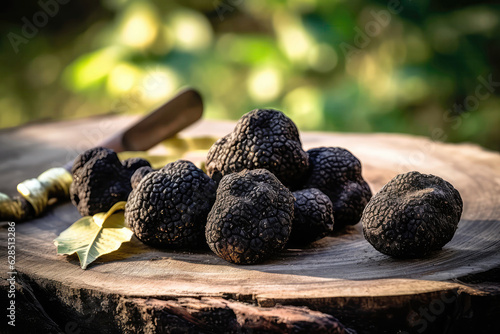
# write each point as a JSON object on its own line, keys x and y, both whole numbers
{"x": 134, "y": 164}
{"x": 169, "y": 207}
{"x": 313, "y": 217}
{"x": 337, "y": 173}
{"x": 412, "y": 215}
{"x": 139, "y": 175}
{"x": 100, "y": 180}
{"x": 252, "y": 217}
{"x": 262, "y": 138}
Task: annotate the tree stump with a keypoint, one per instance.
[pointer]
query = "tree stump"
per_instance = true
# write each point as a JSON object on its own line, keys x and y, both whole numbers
{"x": 139, "y": 289}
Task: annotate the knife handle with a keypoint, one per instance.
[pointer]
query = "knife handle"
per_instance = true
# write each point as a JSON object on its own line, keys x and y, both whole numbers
{"x": 166, "y": 121}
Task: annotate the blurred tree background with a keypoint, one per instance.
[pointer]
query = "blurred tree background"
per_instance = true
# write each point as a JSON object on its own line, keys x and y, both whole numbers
{"x": 422, "y": 67}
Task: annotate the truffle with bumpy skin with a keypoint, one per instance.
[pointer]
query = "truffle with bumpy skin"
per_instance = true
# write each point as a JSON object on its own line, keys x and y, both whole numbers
{"x": 133, "y": 164}
{"x": 262, "y": 138}
{"x": 169, "y": 207}
{"x": 313, "y": 217}
{"x": 337, "y": 173}
{"x": 251, "y": 218}
{"x": 412, "y": 215}
{"x": 100, "y": 180}
{"x": 139, "y": 175}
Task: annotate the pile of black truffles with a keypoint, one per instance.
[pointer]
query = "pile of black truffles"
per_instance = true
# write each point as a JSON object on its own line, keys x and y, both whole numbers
{"x": 262, "y": 193}
{"x": 249, "y": 223}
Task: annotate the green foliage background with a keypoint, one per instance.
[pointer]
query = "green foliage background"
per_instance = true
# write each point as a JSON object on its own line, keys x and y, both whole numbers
{"x": 334, "y": 65}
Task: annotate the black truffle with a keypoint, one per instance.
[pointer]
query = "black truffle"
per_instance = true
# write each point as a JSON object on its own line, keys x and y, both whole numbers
{"x": 251, "y": 218}
{"x": 313, "y": 217}
{"x": 139, "y": 175}
{"x": 133, "y": 164}
{"x": 100, "y": 180}
{"x": 263, "y": 138}
{"x": 337, "y": 173}
{"x": 169, "y": 207}
{"x": 412, "y": 215}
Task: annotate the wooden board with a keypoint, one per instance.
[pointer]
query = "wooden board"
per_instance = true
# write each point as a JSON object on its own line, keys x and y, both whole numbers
{"x": 140, "y": 288}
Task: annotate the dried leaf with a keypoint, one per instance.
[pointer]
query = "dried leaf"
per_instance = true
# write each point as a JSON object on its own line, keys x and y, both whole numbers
{"x": 91, "y": 237}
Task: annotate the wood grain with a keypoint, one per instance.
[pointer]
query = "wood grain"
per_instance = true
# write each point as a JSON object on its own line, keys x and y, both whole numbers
{"x": 340, "y": 275}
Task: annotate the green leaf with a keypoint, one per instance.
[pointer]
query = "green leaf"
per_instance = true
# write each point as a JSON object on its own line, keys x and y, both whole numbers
{"x": 91, "y": 237}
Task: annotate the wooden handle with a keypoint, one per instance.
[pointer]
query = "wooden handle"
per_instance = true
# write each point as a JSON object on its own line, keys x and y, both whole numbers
{"x": 166, "y": 121}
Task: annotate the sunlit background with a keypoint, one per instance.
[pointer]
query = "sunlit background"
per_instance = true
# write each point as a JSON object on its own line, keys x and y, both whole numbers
{"x": 422, "y": 67}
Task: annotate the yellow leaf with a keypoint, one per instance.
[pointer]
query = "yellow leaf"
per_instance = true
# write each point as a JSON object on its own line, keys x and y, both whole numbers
{"x": 194, "y": 149}
{"x": 91, "y": 237}
{"x": 156, "y": 161}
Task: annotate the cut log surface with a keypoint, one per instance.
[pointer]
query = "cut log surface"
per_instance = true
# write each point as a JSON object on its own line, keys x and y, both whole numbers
{"x": 142, "y": 289}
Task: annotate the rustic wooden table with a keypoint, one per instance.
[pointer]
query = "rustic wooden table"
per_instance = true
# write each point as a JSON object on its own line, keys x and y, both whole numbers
{"x": 141, "y": 289}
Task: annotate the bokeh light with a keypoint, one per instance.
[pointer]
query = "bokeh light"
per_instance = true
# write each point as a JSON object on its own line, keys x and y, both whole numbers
{"x": 158, "y": 84}
{"x": 139, "y": 26}
{"x": 322, "y": 58}
{"x": 292, "y": 37}
{"x": 191, "y": 30}
{"x": 265, "y": 84}
{"x": 89, "y": 69}
{"x": 123, "y": 78}
{"x": 301, "y": 105}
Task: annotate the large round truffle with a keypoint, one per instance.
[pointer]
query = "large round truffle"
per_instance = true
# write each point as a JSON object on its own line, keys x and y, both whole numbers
{"x": 169, "y": 207}
{"x": 262, "y": 138}
{"x": 251, "y": 218}
{"x": 313, "y": 217}
{"x": 337, "y": 173}
{"x": 100, "y": 180}
{"x": 412, "y": 215}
